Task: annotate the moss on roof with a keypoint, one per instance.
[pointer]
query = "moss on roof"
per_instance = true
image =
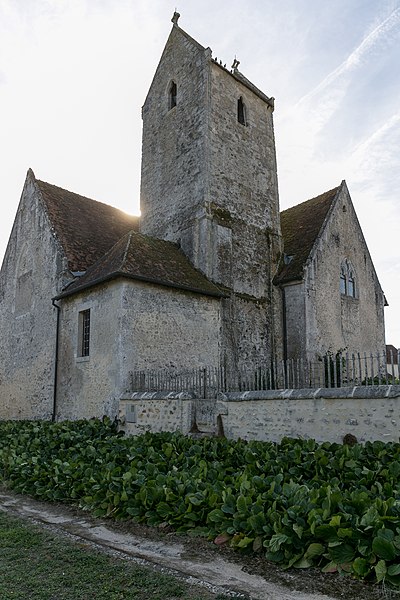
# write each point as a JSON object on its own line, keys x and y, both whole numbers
{"x": 144, "y": 258}
{"x": 300, "y": 227}
{"x": 86, "y": 229}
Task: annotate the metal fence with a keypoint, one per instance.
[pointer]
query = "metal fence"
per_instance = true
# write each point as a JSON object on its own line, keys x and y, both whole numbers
{"x": 332, "y": 370}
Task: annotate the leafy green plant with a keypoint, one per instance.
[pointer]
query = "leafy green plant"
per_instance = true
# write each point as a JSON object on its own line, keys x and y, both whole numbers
{"x": 301, "y": 503}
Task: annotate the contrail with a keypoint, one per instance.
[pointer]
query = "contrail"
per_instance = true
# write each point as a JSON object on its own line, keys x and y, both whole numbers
{"x": 354, "y": 59}
{"x": 380, "y": 133}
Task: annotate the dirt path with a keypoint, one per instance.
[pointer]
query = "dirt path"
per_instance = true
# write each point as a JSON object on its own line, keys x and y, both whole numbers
{"x": 192, "y": 559}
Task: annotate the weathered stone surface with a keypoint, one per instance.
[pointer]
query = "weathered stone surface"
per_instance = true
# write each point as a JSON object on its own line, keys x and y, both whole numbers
{"x": 135, "y": 326}
{"x": 164, "y": 412}
{"x": 319, "y": 319}
{"x": 324, "y": 415}
{"x": 33, "y": 269}
{"x": 209, "y": 182}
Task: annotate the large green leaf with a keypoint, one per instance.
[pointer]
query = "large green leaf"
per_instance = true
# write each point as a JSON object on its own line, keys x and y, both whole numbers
{"x": 361, "y": 567}
{"x": 342, "y": 553}
{"x": 394, "y": 570}
{"x": 314, "y": 550}
{"x": 383, "y": 548}
{"x": 276, "y": 541}
{"x": 380, "y": 570}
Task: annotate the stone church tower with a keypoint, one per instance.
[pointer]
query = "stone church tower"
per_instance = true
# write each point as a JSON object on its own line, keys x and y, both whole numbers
{"x": 209, "y": 183}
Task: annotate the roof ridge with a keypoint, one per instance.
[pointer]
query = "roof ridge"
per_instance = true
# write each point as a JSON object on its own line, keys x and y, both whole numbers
{"x": 335, "y": 189}
{"x": 53, "y": 185}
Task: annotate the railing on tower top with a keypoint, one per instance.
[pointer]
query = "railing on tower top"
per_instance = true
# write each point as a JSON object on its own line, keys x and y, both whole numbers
{"x": 333, "y": 370}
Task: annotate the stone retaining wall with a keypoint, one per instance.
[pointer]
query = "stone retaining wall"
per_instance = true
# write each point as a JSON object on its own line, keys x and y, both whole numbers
{"x": 156, "y": 411}
{"x": 368, "y": 413}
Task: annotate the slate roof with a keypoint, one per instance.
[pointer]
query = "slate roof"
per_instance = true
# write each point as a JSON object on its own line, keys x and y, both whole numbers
{"x": 86, "y": 229}
{"x": 300, "y": 227}
{"x": 145, "y": 258}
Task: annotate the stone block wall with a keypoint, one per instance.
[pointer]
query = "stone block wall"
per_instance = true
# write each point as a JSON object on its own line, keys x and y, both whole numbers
{"x": 336, "y": 321}
{"x": 155, "y": 411}
{"x": 31, "y": 274}
{"x": 324, "y": 415}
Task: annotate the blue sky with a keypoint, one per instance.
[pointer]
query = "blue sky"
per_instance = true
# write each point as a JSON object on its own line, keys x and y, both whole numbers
{"x": 74, "y": 75}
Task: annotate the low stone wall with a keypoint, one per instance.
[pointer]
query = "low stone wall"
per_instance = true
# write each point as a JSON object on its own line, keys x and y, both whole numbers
{"x": 156, "y": 411}
{"x": 368, "y": 413}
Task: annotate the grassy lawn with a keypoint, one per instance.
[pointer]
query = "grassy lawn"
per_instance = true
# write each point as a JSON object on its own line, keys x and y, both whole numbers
{"x": 38, "y": 565}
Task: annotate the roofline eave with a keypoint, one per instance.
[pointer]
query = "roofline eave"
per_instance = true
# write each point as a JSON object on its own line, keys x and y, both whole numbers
{"x": 119, "y": 274}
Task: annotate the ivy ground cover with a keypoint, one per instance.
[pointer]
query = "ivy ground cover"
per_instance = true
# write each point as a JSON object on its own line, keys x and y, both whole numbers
{"x": 300, "y": 503}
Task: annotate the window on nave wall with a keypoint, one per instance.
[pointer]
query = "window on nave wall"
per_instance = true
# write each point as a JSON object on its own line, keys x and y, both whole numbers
{"x": 347, "y": 279}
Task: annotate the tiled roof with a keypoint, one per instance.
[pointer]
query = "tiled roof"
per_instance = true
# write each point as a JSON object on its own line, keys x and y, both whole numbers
{"x": 145, "y": 258}
{"x": 300, "y": 226}
{"x": 86, "y": 229}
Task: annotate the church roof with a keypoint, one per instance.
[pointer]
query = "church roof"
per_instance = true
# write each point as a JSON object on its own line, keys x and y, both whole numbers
{"x": 86, "y": 229}
{"x": 144, "y": 258}
{"x": 300, "y": 227}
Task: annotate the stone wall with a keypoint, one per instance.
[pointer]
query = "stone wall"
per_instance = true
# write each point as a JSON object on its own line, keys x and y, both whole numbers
{"x": 335, "y": 321}
{"x": 31, "y": 274}
{"x": 145, "y": 411}
{"x": 134, "y": 325}
{"x": 243, "y": 185}
{"x": 174, "y": 166}
{"x": 324, "y": 415}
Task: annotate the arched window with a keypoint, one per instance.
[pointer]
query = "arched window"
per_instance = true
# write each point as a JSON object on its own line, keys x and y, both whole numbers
{"x": 351, "y": 288}
{"x": 347, "y": 280}
{"x": 172, "y": 95}
{"x": 343, "y": 281}
{"x": 241, "y": 111}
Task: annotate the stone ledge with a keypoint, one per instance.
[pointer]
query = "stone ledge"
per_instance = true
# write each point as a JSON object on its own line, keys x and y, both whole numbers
{"x": 381, "y": 391}
{"x": 128, "y": 397}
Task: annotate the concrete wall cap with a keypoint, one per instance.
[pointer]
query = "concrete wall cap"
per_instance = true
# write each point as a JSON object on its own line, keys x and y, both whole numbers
{"x": 382, "y": 391}
{"x": 127, "y": 397}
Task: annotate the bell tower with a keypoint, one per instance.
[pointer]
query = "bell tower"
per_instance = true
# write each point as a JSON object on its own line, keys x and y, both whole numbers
{"x": 209, "y": 183}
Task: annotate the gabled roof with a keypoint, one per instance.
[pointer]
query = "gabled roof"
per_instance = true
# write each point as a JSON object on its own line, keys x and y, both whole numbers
{"x": 85, "y": 228}
{"x": 144, "y": 258}
{"x": 300, "y": 227}
{"x": 233, "y": 72}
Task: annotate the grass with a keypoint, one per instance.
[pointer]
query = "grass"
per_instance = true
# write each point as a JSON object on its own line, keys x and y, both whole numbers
{"x": 36, "y": 564}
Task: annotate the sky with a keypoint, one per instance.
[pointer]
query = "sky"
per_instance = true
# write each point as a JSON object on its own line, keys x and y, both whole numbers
{"x": 74, "y": 75}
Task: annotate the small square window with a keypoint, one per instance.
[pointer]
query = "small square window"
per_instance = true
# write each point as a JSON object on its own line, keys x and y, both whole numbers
{"x": 84, "y": 333}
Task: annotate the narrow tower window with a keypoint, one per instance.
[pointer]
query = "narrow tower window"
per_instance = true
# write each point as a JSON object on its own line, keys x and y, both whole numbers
{"x": 172, "y": 95}
{"x": 241, "y": 111}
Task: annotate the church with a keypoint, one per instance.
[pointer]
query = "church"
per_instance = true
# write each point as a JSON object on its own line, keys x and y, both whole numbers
{"x": 211, "y": 273}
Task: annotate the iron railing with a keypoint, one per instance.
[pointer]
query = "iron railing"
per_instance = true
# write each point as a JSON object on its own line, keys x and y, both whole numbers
{"x": 333, "y": 370}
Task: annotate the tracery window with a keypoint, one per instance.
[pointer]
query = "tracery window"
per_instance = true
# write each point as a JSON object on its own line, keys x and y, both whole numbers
{"x": 347, "y": 279}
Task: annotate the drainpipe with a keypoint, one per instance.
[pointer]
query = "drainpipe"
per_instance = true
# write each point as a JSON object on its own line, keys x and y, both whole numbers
{"x": 284, "y": 325}
{"x": 53, "y": 416}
